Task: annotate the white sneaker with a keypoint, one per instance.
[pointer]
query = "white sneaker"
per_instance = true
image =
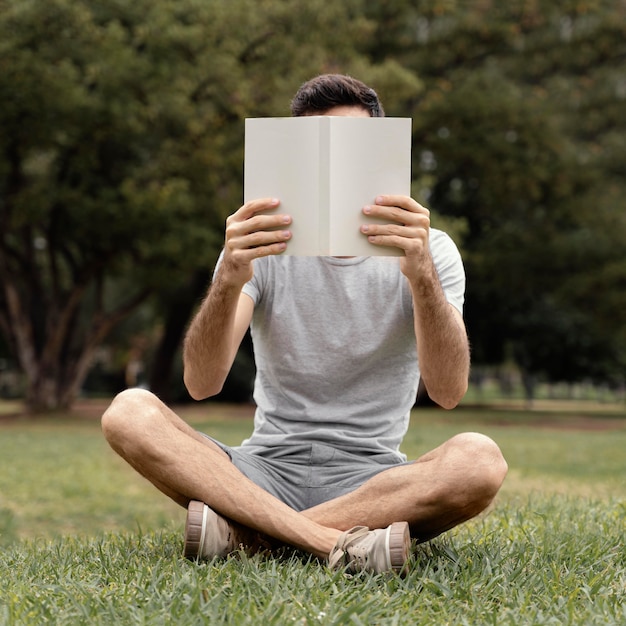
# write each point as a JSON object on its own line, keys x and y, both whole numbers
{"x": 207, "y": 534}
{"x": 380, "y": 550}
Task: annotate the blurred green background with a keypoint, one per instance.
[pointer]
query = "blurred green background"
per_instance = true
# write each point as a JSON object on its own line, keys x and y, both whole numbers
{"x": 121, "y": 146}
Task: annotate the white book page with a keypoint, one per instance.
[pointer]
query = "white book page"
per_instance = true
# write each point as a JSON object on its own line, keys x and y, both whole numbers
{"x": 282, "y": 160}
{"x": 369, "y": 157}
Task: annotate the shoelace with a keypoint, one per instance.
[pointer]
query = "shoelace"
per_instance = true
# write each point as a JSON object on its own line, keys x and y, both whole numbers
{"x": 346, "y": 540}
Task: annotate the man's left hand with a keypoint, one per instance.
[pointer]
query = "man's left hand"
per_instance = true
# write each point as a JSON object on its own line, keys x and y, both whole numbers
{"x": 407, "y": 228}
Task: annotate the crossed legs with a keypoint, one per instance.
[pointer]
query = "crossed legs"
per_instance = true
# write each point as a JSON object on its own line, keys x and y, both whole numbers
{"x": 443, "y": 488}
{"x": 186, "y": 466}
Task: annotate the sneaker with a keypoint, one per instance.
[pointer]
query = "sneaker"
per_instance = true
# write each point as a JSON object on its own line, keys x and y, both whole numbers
{"x": 380, "y": 550}
{"x": 207, "y": 534}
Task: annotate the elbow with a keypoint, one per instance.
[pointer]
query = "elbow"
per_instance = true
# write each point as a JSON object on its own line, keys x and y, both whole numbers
{"x": 201, "y": 388}
{"x": 449, "y": 397}
{"x": 449, "y": 403}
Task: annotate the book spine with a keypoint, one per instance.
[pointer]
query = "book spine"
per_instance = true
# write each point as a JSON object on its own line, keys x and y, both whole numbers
{"x": 324, "y": 186}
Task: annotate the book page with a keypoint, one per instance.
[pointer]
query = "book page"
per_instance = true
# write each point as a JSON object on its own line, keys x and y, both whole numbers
{"x": 282, "y": 160}
{"x": 369, "y": 157}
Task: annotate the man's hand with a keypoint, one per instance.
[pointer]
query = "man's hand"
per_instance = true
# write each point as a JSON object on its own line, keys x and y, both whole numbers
{"x": 250, "y": 236}
{"x": 408, "y": 228}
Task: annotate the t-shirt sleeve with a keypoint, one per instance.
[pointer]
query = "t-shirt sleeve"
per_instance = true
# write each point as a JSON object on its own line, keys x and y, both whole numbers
{"x": 449, "y": 266}
{"x": 251, "y": 288}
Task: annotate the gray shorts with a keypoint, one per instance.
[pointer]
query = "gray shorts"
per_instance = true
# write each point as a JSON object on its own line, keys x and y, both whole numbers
{"x": 306, "y": 475}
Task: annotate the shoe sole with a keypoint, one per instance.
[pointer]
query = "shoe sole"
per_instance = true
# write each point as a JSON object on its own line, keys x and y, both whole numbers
{"x": 194, "y": 530}
{"x": 399, "y": 543}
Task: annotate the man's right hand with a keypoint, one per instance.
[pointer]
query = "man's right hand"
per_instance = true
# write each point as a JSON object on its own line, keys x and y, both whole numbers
{"x": 250, "y": 236}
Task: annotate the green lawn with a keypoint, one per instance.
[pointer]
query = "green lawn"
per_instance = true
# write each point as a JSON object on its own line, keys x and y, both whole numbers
{"x": 83, "y": 540}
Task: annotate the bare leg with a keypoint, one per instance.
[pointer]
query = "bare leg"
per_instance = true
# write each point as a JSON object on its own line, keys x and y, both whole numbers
{"x": 440, "y": 490}
{"x": 186, "y": 466}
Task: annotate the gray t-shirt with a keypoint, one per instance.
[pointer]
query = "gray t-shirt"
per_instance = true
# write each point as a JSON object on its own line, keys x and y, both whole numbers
{"x": 335, "y": 351}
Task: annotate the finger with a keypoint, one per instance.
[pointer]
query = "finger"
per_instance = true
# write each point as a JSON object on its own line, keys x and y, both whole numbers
{"x": 260, "y": 238}
{"x": 249, "y": 254}
{"x": 244, "y": 258}
{"x": 252, "y": 207}
{"x": 258, "y": 222}
{"x": 404, "y": 202}
{"x": 400, "y": 230}
{"x": 411, "y": 246}
{"x": 399, "y": 215}
{"x": 239, "y": 228}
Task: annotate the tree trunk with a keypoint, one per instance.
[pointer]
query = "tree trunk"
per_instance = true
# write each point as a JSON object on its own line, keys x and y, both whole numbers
{"x": 55, "y": 386}
{"x": 41, "y": 395}
{"x": 180, "y": 308}
{"x": 55, "y": 373}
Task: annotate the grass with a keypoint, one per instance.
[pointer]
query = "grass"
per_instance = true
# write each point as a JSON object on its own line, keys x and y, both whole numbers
{"x": 85, "y": 541}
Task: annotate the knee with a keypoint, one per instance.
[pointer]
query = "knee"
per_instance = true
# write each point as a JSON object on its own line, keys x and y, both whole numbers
{"x": 482, "y": 465}
{"x": 126, "y": 416}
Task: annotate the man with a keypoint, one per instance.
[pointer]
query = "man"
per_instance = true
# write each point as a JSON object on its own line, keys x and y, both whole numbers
{"x": 340, "y": 346}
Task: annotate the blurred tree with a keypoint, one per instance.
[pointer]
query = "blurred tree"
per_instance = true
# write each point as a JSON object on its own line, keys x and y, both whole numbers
{"x": 520, "y": 133}
{"x": 85, "y": 122}
{"x": 121, "y": 142}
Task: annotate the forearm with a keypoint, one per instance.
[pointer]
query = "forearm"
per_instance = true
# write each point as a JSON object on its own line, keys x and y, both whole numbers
{"x": 210, "y": 345}
{"x": 215, "y": 333}
{"x": 442, "y": 345}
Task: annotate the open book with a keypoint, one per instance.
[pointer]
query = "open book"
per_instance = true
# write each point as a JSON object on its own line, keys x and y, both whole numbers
{"x": 324, "y": 170}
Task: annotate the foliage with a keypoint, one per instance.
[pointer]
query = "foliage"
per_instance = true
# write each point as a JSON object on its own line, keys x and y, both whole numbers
{"x": 120, "y": 154}
{"x": 518, "y": 134}
{"x": 121, "y": 136}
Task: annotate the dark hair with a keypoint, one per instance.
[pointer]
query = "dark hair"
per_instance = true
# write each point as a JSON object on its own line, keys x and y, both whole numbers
{"x": 324, "y": 92}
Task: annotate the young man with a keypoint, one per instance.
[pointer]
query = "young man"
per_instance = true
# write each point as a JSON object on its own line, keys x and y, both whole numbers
{"x": 340, "y": 345}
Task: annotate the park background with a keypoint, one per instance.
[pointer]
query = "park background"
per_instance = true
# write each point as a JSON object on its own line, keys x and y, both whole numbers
{"x": 121, "y": 147}
{"x": 121, "y": 155}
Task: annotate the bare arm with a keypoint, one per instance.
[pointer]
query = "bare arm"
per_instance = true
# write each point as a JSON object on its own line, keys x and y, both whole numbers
{"x": 216, "y": 331}
{"x": 442, "y": 344}
{"x": 213, "y": 338}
